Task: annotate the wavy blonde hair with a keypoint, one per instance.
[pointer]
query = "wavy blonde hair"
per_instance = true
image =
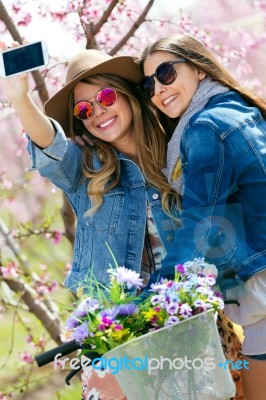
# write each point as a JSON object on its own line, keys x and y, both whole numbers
{"x": 197, "y": 55}
{"x": 150, "y": 141}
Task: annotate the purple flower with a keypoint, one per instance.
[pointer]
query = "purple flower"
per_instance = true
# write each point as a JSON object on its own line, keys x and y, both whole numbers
{"x": 72, "y": 323}
{"x": 172, "y": 308}
{"x": 185, "y": 311}
{"x": 80, "y": 312}
{"x": 171, "y": 320}
{"x": 109, "y": 313}
{"x": 201, "y": 304}
{"x": 81, "y": 332}
{"x": 127, "y": 309}
{"x": 155, "y": 299}
{"x": 181, "y": 268}
{"x": 85, "y": 307}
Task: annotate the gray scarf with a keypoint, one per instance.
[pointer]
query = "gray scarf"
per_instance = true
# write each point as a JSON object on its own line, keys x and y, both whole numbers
{"x": 207, "y": 88}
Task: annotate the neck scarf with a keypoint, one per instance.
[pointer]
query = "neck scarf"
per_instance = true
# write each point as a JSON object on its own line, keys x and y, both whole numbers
{"x": 173, "y": 171}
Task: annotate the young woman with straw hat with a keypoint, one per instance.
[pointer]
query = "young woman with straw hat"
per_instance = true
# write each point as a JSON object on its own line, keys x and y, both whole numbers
{"x": 111, "y": 186}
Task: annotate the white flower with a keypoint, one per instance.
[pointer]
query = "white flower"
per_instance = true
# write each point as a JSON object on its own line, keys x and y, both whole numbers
{"x": 172, "y": 308}
{"x": 220, "y": 303}
{"x": 185, "y": 311}
{"x": 200, "y": 266}
{"x": 171, "y": 320}
{"x": 93, "y": 395}
{"x": 203, "y": 290}
{"x": 86, "y": 373}
{"x": 158, "y": 287}
{"x": 129, "y": 277}
{"x": 102, "y": 372}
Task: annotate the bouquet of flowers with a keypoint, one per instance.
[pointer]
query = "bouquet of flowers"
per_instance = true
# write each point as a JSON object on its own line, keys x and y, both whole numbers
{"x": 107, "y": 317}
{"x": 170, "y": 336}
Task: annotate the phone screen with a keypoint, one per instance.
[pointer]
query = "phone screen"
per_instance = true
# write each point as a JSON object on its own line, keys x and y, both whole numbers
{"x": 23, "y": 58}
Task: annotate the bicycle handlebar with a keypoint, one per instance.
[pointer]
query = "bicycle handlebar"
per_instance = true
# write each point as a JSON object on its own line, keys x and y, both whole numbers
{"x": 63, "y": 349}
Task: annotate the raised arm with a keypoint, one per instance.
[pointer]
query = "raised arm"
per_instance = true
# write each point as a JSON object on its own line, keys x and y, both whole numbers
{"x": 33, "y": 120}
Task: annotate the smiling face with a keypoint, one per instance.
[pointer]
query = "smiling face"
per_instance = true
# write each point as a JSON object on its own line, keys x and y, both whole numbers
{"x": 173, "y": 99}
{"x": 112, "y": 124}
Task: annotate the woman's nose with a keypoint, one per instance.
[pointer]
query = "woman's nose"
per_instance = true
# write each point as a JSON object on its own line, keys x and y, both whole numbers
{"x": 158, "y": 87}
{"x": 98, "y": 110}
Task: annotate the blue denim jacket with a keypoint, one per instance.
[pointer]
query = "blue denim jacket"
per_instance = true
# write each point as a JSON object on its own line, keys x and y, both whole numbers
{"x": 223, "y": 154}
{"x": 120, "y": 221}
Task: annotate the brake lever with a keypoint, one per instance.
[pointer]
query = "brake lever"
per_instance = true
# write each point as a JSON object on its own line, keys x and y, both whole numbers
{"x": 231, "y": 301}
{"x": 72, "y": 373}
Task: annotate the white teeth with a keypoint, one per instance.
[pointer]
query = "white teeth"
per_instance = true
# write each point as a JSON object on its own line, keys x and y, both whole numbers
{"x": 169, "y": 99}
{"x": 107, "y": 123}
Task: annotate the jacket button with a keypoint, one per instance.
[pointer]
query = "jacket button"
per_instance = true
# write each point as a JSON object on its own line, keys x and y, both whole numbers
{"x": 155, "y": 196}
{"x": 170, "y": 237}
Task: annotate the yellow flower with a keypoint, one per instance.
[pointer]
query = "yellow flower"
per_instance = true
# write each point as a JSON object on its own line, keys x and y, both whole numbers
{"x": 119, "y": 334}
{"x": 149, "y": 314}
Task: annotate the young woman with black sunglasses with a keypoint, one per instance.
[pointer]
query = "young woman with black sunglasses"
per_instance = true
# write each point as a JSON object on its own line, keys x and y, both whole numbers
{"x": 216, "y": 161}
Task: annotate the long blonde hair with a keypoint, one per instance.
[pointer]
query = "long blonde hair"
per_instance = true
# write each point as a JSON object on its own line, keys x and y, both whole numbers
{"x": 151, "y": 148}
{"x": 197, "y": 55}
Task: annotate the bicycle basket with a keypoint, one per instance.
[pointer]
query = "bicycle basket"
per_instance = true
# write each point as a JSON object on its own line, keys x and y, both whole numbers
{"x": 180, "y": 362}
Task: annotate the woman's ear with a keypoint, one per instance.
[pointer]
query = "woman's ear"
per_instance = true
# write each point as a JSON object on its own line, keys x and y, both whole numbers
{"x": 201, "y": 75}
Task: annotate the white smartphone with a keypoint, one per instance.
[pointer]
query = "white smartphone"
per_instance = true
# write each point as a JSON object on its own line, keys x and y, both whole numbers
{"x": 25, "y": 58}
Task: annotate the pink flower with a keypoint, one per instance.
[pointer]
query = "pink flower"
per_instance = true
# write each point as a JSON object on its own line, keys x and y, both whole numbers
{"x": 107, "y": 320}
{"x": 26, "y": 358}
{"x": 58, "y": 364}
{"x": 25, "y": 19}
{"x": 41, "y": 342}
{"x": 10, "y": 271}
{"x": 57, "y": 236}
{"x": 29, "y": 339}
{"x": 180, "y": 268}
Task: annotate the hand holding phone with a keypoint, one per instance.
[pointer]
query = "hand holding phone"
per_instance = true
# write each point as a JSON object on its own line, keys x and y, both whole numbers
{"x": 16, "y": 88}
{"x": 25, "y": 58}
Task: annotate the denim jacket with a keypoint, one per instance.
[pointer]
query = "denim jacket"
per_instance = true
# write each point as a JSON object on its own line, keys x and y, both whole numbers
{"x": 120, "y": 221}
{"x": 223, "y": 155}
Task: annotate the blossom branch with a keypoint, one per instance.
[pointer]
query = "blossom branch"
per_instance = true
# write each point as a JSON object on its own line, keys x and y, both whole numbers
{"x": 49, "y": 320}
{"x": 133, "y": 29}
{"x": 104, "y": 17}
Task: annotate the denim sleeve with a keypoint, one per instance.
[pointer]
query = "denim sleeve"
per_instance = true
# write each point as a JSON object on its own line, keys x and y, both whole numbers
{"x": 60, "y": 162}
{"x": 206, "y": 221}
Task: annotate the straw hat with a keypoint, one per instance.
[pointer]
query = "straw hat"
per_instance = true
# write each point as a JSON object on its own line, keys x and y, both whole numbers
{"x": 84, "y": 64}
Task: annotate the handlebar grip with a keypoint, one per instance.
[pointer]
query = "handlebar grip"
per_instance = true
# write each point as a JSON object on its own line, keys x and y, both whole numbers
{"x": 63, "y": 349}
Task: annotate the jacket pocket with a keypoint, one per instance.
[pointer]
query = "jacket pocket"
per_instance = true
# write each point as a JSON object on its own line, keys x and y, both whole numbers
{"x": 107, "y": 217}
{"x": 222, "y": 247}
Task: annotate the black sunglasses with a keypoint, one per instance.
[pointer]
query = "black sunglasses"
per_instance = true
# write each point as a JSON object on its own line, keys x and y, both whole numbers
{"x": 165, "y": 74}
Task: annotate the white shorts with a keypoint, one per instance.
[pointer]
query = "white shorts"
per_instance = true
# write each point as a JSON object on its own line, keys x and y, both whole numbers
{"x": 251, "y": 314}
